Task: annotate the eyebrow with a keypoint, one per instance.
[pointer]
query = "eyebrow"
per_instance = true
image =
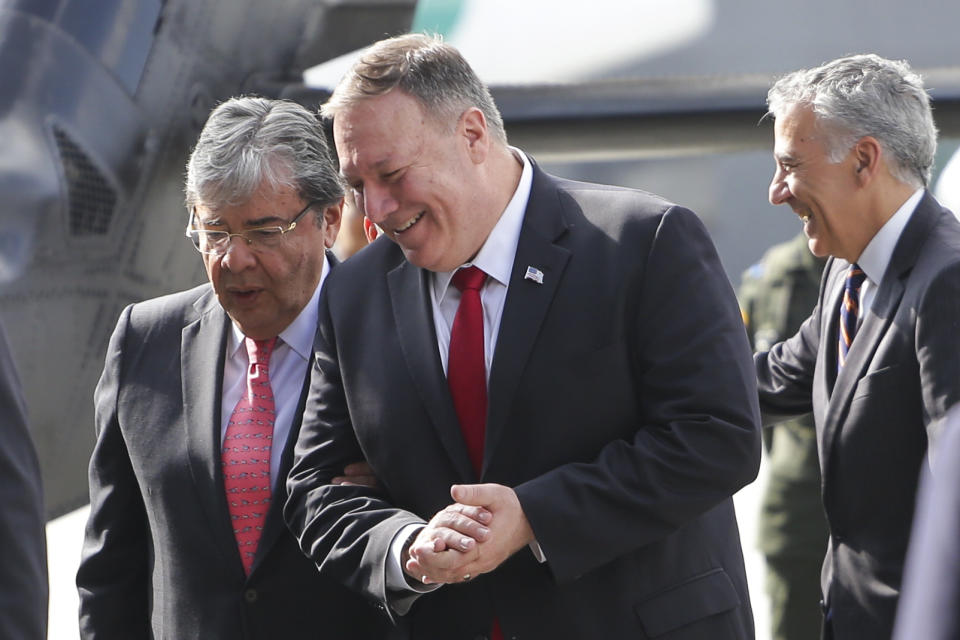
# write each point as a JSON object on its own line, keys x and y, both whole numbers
{"x": 259, "y": 222}
{"x": 375, "y": 166}
{"x": 784, "y": 157}
{"x": 249, "y": 224}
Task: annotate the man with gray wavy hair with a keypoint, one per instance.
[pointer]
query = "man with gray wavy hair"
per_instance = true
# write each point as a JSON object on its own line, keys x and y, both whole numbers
{"x": 200, "y": 402}
{"x": 877, "y": 361}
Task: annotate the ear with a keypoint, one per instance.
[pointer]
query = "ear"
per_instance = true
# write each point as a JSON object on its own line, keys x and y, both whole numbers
{"x": 473, "y": 127}
{"x": 370, "y": 230}
{"x": 868, "y": 156}
{"x": 331, "y": 222}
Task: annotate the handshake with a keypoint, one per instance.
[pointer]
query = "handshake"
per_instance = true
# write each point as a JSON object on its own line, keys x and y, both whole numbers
{"x": 484, "y": 526}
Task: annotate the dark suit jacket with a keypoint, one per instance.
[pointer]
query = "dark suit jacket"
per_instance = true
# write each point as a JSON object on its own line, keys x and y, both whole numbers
{"x": 621, "y": 410}
{"x": 23, "y": 550}
{"x": 160, "y": 559}
{"x": 902, "y": 373}
{"x": 930, "y": 606}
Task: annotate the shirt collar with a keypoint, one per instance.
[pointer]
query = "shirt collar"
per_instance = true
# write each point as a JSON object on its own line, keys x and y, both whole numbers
{"x": 878, "y": 252}
{"x": 299, "y": 334}
{"x": 496, "y": 255}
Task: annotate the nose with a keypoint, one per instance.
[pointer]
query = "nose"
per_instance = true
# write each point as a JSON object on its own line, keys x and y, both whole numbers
{"x": 779, "y": 192}
{"x": 238, "y": 256}
{"x": 378, "y": 203}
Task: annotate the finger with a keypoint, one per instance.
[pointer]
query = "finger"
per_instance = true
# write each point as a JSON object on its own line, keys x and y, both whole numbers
{"x": 444, "y": 567}
{"x": 361, "y": 468}
{"x": 439, "y": 539}
{"x": 455, "y": 521}
{"x": 480, "y": 514}
{"x": 480, "y": 495}
{"x": 356, "y": 481}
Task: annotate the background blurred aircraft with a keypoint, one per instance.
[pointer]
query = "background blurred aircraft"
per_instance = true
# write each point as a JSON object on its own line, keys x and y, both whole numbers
{"x": 102, "y": 99}
{"x": 100, "y": 102}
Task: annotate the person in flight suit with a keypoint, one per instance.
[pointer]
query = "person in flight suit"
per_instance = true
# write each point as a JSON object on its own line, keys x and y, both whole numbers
{"x": 776, "y": 296}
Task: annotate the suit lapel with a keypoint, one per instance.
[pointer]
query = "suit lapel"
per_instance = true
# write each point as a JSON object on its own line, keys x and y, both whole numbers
{"x": 413, "y": 315}
{"x": 527, "y": 303}
{"x": 877, "y": 321}
{"x": 203, "y": 345}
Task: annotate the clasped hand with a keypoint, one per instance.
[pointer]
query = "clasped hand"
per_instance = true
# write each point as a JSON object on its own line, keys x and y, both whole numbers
{"x": 483, "y": 527}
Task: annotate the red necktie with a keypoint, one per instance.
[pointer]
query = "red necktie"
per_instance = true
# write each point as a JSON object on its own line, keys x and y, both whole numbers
{"x": 246, "y": 453}
{"x": 467, "y": 373}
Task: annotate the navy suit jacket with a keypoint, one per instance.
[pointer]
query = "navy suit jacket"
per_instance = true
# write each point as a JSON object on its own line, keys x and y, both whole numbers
{"x": 160, "y": 559}
{"x": 902, "y": 373}
{"x": 621, "y": 410}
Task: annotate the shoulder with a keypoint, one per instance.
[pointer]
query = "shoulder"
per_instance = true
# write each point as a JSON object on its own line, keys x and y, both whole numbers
{"x": 173, "y": 310}
{"x": 633, "y": 218}
{"x": 602, "y": 200}
{"x": 363, "y": 273}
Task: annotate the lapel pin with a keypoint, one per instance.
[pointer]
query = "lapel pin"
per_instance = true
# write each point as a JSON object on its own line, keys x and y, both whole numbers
{"x": 534, "y": 274}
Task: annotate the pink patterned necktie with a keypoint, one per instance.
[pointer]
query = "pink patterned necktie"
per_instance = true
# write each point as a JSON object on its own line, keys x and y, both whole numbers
{"x": 246, "y": 453}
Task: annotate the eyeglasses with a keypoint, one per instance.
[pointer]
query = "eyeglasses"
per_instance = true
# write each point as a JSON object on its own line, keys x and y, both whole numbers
{"x": 216, "y": 243}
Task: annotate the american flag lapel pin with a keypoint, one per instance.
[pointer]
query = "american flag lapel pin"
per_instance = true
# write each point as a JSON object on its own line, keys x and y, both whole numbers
{"x": 534, "y": 274}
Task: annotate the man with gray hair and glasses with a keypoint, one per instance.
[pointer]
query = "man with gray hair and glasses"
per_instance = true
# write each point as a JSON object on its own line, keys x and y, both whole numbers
{"x": 878, "y": 361}
{"x": 200, "y": 401}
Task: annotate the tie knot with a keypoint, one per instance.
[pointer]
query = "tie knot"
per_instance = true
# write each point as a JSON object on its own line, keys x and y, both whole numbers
{"x": 855, "y": 277}
{"x": 259, "y": 350}
{"x": 469, "y": 278}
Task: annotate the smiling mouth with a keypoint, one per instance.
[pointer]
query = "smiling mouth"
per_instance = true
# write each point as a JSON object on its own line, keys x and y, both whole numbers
{"x": 409, "y": 224}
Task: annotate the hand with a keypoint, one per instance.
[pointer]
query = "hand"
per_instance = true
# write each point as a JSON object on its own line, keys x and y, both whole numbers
{"x": 509, "y": 529}
{"x": 359, "y": 474}
{"x": 507, "y": 532}
{"x": 447, "y": 542}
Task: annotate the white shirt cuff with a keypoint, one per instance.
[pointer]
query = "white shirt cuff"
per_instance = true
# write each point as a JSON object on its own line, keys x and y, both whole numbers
{"x": 396, "y": 578}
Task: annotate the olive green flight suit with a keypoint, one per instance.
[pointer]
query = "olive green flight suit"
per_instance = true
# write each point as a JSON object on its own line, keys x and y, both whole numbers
{"x": 776, "y": 295}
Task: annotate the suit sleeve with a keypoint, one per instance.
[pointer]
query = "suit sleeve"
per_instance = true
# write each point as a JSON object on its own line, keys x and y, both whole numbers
{"x": 345, "y": 530}
{"x": 698, "y": 440}
{"x": 113, "y": 579}
{"x": 938, "y": 346}
{"x": 785, "y": 372}
{"x": 23, "y": 556}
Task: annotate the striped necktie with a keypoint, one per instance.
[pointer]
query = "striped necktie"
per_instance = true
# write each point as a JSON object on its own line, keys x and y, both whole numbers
{"x": 849, "y": 312}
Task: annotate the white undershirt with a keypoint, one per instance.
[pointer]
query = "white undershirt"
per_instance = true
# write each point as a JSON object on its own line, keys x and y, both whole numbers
{"x": 876, "y": 256}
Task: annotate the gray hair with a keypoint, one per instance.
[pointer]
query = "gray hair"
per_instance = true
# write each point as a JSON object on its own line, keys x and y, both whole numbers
{"x": 425, "y": 68}
{"x": 249, "y": 141}
{"x": 866, "y": 95}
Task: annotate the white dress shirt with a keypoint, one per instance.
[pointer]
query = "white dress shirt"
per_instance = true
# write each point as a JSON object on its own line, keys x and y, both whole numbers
{"x": 288, "y": 371}
{"x": 495, "y": 258}
{"x": 876, "y": 256}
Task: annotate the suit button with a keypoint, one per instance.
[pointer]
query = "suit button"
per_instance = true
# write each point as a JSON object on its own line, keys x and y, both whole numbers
{"x": 250, "y": 595}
